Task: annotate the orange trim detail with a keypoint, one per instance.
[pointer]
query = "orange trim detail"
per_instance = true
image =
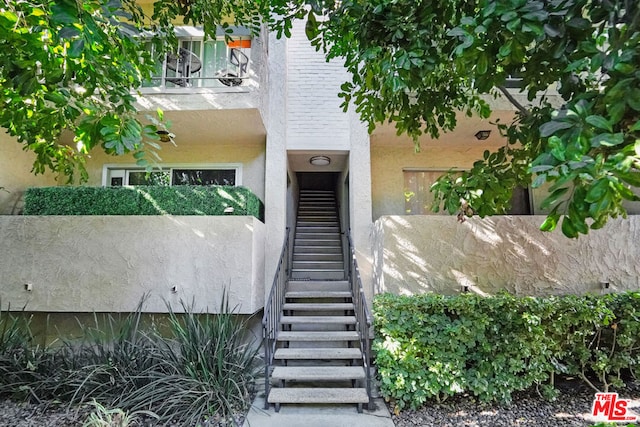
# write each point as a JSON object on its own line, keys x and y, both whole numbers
{"x": 239, "y": 43}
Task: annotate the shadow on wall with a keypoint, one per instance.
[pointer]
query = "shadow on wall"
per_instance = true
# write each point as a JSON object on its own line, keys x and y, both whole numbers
{"x": 424, "y": 253}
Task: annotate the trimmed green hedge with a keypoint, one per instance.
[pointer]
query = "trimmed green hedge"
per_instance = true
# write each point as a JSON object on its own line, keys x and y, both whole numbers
{"x": 434, "y": 346}
{"x": 142, "y": 200}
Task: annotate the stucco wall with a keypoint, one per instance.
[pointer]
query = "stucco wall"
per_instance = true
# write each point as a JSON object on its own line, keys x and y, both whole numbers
{"x": 15, "y": 165}
{"x": 416, "y": 254}
{"x": 388, "y": 162}
{"x": 107, "y": 263}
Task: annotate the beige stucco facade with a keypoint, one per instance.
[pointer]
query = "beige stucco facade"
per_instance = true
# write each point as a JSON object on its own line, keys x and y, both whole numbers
{"x": 417, "y": 254}
{"x": 108, "y": 263}
{"x": 270, "y": 126}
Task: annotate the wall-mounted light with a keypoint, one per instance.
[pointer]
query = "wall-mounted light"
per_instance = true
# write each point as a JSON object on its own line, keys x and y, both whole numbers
{"x": 164, "y": 135}
{"x": 320, "y": 160}
{"x": 481, "y": 135}
{"x": 605, "y": 285}
{"x": 28, "y": 287}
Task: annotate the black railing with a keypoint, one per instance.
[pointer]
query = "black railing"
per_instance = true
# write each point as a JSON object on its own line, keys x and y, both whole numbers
{"x": 272, "y": 310}
{"x": 364, "y": 321}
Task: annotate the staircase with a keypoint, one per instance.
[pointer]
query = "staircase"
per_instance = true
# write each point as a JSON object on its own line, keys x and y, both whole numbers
{"x": 317, "y": 250}
{"x": 315, "y": 355}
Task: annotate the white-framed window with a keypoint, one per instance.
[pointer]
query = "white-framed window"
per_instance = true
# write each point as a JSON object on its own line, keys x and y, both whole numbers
{"x": 203, "y": 63}
{"x": 116, "y": 175}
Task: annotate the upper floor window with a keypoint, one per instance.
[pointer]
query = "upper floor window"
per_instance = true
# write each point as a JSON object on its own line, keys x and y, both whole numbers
{"x": 204, "y": 63}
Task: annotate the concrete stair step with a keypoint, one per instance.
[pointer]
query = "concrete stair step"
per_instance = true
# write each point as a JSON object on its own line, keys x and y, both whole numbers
{"x": 317, "y": 256}
{"x": 318, "y": 235}
{"x": 320, "y": 306}
{"x": 318, "y": 294}
{"x": 315, "y": 225}
{"x": 312, "y": 285}
{"x": 317, "y": 250}
{"x": 317, "y": 201}
{"x": 306, "y": 210}
{"x": 317, "y": 229}
{"x": 317, "y": 354}
{"x": 313, "y": 274}
{"x": 314, "y": 336}
{"x": 318, "y": 320}
{"x": 320, "y": 202}
{"x": 318, "y": 395}
{"x": 305, "y": 241}
{"x": 318, "y": 265}
{"x": 318, "y": 373}
{"x": 318, "y": 219}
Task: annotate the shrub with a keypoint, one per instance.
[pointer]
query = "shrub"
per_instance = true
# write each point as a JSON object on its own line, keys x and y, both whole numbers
{"x": 142, "y": 200}
{"x": 22, "y": 362}
{"x": 434, "y": 346}
{"x": 204, "y": 366}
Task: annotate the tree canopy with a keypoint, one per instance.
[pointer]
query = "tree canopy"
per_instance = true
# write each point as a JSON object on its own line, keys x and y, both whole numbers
{"x": 418, "y": 63}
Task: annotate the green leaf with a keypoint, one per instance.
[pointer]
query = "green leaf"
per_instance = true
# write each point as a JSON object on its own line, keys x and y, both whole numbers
{"x": 539, "y": 181}
{"x": 597, "y": 190}
{"x": 62, "y": 13}
{"x": 550, "y": 128}
{"x": 568, "y": 228}
{"x": 311, "y": 27}
{"x": 550, "y": 223}
{"x": 75, "y": 51}
{"x": 607, "y": 140}
{"x": 599, "y": 122}
{"x": 554, "y": 198}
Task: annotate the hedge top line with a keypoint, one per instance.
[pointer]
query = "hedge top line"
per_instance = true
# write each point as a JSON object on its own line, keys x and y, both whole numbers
{"x": 143, "y": 200}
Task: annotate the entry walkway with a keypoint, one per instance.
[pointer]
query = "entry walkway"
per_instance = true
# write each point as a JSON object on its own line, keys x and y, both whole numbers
{"x": 318, "y": 415}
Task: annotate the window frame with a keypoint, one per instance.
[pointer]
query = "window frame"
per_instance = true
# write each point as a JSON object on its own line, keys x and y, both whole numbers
{"x": 132, "y": 167}
{"x": 531, "y": 193}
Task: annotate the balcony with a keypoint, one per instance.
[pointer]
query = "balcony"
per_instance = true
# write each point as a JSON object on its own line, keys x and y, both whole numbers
{"x": 206, "y": 74}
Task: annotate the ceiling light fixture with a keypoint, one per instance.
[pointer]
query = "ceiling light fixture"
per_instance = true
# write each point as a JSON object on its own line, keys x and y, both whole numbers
{"x": 320, "y": 160}
{"x": 482, "y": 134}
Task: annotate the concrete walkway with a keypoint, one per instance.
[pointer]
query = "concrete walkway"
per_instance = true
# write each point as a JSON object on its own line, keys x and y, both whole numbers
{"x": 291, "y": 415}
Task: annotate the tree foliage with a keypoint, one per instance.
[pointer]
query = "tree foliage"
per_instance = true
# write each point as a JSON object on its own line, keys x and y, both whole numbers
{"x": 417, "y": 63}
{"x": 74, "y": 65}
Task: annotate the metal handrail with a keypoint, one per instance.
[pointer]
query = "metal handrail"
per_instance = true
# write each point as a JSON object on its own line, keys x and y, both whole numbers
{"x": 272, "y": 310}
{"x": 364, "y": 320}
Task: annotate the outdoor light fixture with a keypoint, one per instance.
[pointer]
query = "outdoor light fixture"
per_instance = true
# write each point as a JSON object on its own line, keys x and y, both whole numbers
{"x": 164, "y": 135}
{"x": 605, "y": 285}
{"x": 320, "y": 160}
{"x": 481, "y": 135}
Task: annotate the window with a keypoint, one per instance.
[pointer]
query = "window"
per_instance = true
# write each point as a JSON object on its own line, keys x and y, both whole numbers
{"x": 200, "y": 63}
{"x": 419, "y": 198}
{"x": 117, "y": 175}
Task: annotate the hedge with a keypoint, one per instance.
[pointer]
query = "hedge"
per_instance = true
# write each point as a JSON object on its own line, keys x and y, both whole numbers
{"x": 434, "y": 346}
{"x": 143, "y": 200}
